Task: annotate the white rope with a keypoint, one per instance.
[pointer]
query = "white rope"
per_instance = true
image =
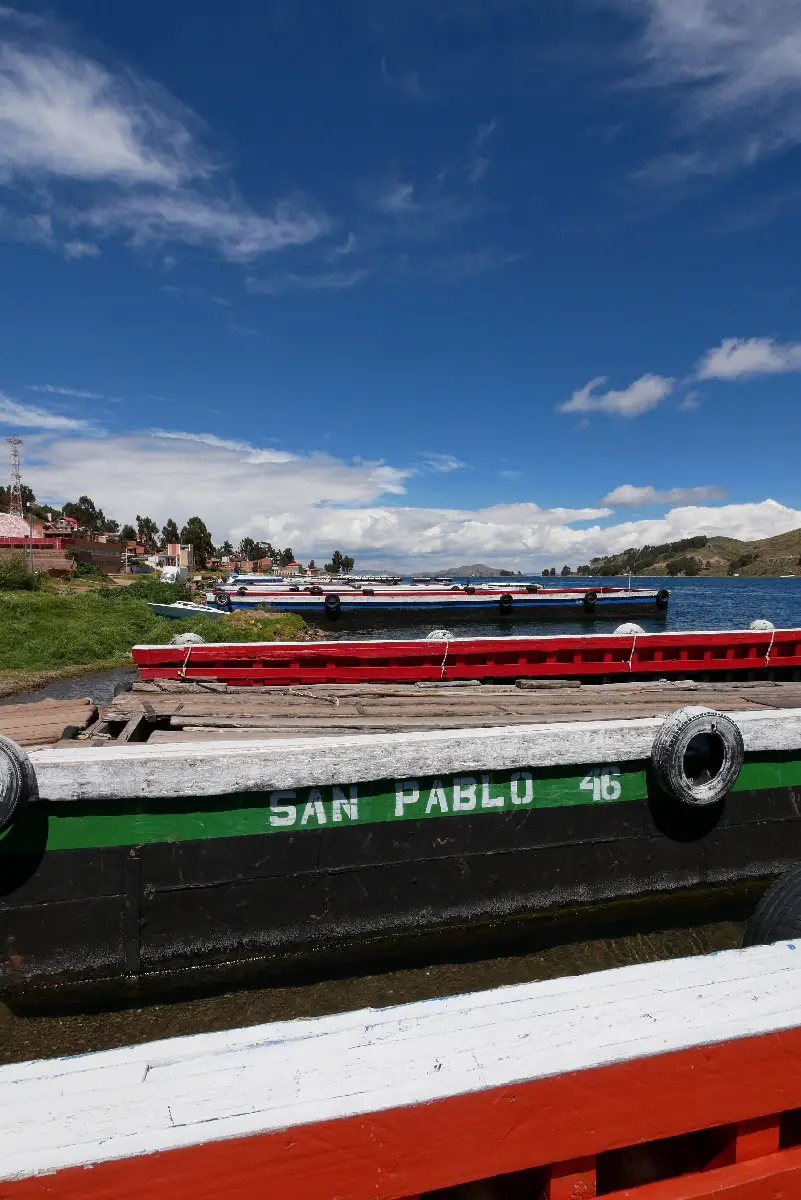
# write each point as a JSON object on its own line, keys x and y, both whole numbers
{"x": 444, "y": 659}
{"x": 633, "y": 644}
{"x": 770, "y": 647}
{"x": 186, "y": 660}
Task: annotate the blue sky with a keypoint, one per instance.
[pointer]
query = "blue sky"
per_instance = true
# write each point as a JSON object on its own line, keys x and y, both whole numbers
{"x": 435, "y": 281}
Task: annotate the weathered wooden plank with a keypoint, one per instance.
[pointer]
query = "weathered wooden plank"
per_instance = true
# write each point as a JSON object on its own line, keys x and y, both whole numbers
{"x": 44, "y": 721}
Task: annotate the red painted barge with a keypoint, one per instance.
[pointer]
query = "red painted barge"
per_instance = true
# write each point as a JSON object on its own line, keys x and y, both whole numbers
{"x": 716, "y": 654}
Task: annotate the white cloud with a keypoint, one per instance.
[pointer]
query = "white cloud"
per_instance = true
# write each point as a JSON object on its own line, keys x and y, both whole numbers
{"x": 62, "y": 114}
{"x": 397, "y": 199}
{"x": 25, "y": 416}
{"x": 253, "y": 453}
{"x": 644, "y": 394}
{"x": 316, "y": 501}
{"x": 67, "y": 120}
{"x": 629, "y": 496}
{"x": 228, "y": 226}
{"x": 442, "y": 462}
{"x": 735, "y": 68}
{"x": 314, "y": 281}
{"x": 64, "y": 391}
{"x": 747, "y": 358}
{"x": 77, "y": 249}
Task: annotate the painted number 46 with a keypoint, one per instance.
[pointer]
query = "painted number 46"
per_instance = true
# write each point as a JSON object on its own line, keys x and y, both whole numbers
{"x": 603, "y": 782}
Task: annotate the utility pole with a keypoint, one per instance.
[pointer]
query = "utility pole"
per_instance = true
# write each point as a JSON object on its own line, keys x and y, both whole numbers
{"x": 15, "y": 499}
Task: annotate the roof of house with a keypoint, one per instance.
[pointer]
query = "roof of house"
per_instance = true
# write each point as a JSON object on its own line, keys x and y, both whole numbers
{"x": 13, "y": 527}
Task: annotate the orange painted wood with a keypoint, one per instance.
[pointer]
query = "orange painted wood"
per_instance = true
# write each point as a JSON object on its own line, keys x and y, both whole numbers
{"x": 747, "y": 1140}
{"x": 757, "y": 1138}
{"x": 572, "y": 1180}
{"x": 776, "y": 1177}
{"x": 407, "y": 1151}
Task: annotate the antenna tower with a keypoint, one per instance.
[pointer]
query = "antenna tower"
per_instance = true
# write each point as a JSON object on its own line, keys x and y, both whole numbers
{"x": 15, "y": 498}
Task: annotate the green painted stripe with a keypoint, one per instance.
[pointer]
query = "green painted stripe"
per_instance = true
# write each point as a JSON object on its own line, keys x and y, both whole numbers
{"x": 89, "y": 824}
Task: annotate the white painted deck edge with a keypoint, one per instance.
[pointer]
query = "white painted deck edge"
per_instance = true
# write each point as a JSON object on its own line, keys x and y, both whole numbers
{"x": 525, "y": 637}
{"x": 220, "y": 767}
{"x": 191, "y": 1090}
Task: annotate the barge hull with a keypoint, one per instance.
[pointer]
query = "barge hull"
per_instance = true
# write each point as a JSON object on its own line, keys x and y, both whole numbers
{"x": 568, "y": 656}
{"x": 160, "y": 893}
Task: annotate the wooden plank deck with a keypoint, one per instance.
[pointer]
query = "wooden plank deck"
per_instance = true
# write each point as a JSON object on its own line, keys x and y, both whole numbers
{"x": 329, "y": 709}
{"x": 198, "y": 712}
{"x": 43, "y": 723}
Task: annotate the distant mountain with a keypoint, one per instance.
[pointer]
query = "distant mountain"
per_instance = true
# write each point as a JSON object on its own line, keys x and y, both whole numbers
{"x": 477, "y": 571}
{"x": 779, "y": 555}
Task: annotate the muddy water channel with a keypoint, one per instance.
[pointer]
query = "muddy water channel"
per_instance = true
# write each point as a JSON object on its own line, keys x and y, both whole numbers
{"x": 45, "y": 1035}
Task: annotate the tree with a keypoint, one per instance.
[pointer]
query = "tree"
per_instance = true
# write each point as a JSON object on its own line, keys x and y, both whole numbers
{"x": 226, "y": 548}
{"x": 196, "y": 535}
{"x": 112, "y": 527}
{"x": 251, "y": 549}
{"x": 287, "y": 557}
{"x": 88, "y": 515}
{"x": 339, "y": 562}
{"x": 146, "y": 530}
{"x": 28, "y": 497}
{"x": 128, "y": 533}
{"x": 312, "y": 567}
{"x": 565, "y": 570}
{"x": 169, "y": 533}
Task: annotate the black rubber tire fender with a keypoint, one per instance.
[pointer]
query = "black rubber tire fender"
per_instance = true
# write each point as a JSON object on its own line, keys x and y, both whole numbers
{"x": 315, "y": 590}
{"x": 670, "y": 746}
{"x": 589, "y": 601}
{"x": 505, "y": 602}
{"x": 368, "y": 591}
{"x": 241, "y": 591}
{"x": 222, "y": 600}
{"x": 17, "y": 781}
{"x": 662, "y": 598}
{"x": 471, "y": 591}
{"x": 777, "y": 917}
{"x": 332, "y": 604}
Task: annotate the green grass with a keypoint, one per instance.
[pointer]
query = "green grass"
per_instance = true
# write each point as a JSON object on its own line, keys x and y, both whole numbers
{"x": 43, "y": 631}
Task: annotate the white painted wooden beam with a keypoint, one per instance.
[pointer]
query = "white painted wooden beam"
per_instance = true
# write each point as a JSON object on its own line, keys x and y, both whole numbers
{"x": 193, "y": 1090}
{"x": 219, "y": 768}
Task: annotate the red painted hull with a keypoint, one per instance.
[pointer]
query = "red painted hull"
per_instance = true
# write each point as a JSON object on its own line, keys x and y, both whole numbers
{"x": 608, "y": 656}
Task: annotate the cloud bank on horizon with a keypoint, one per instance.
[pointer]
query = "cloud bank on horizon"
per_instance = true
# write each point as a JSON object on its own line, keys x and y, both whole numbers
{"x": 315, "y": 501}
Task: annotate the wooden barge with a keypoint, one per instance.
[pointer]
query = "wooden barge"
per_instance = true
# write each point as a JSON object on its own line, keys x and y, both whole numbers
{"x": 668, "y": 1081}
{"x": 629, "y": 651}
{"x": 357, "y": 603}
{"x": 173, "y": 848}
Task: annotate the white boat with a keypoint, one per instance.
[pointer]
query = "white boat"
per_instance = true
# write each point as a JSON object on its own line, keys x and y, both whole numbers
{"x": 181, "y": 609}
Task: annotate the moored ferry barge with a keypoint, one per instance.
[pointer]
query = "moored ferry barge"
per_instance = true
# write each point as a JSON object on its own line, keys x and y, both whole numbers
{"x": 150, "y": 866}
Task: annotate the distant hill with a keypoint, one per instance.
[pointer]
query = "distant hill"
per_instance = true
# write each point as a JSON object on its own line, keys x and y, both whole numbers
{"x": 477, "y": 571}
{"x": 780, "y": 555}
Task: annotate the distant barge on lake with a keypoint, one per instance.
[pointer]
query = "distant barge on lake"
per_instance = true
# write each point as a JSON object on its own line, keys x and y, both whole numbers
{"x": 344, "y": 600}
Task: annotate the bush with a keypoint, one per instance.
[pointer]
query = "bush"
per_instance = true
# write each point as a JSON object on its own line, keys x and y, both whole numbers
{"x": 152, "y": 590}
{"x": 88, "y": 570}
{"x": 16, "y": 575}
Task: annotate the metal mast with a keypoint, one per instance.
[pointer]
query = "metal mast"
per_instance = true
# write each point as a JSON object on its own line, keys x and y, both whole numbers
{"x": 15, "y": 498}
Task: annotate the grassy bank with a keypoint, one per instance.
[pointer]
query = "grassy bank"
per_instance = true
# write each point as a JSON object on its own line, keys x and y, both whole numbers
{"x": 46, "y": 636}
